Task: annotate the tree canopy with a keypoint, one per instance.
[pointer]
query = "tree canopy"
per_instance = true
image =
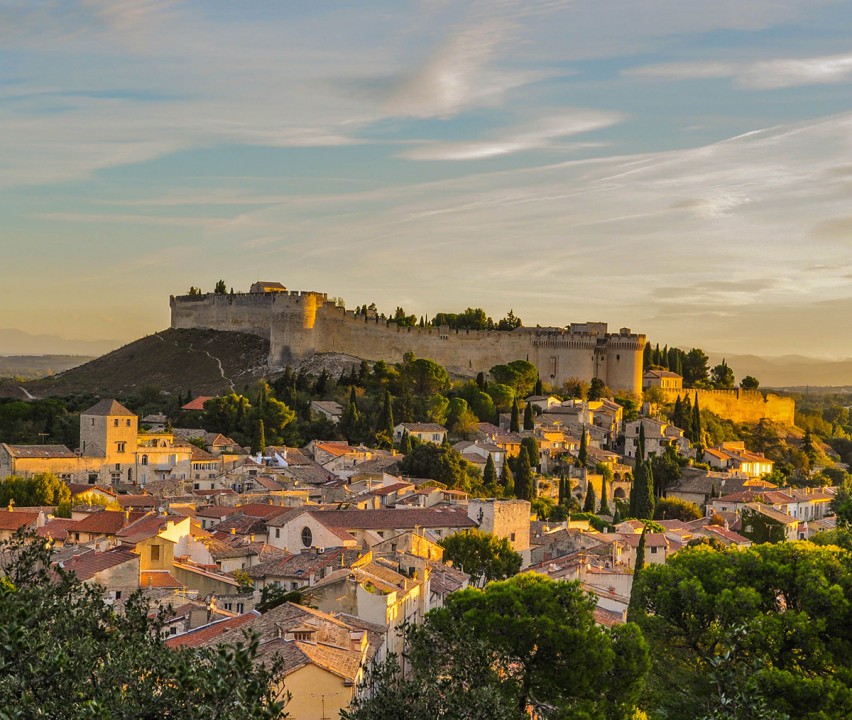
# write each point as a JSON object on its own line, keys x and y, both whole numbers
{"x": 527, "y": 644}
{"x": 66, "y": 653}
{"x": 781, "y": 614}
{"x": 483, "y": 556}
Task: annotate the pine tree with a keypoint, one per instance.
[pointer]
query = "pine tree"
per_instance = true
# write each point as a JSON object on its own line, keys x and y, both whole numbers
{"x": 604, "y": 508}
{"x": 529, "y": 423}
{"x": 524, "y": 477}
{"x": 515, "y": 422}
{"x": 590, "y": 501}
{"x": 583, "y": 452}
{"x": 489, "y": 475}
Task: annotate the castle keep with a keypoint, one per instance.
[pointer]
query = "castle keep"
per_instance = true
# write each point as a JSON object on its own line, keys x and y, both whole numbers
{"x": 300, "y": 324}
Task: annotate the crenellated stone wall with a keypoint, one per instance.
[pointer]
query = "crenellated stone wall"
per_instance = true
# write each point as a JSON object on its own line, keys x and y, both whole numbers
{"x": 300, "y": 324}
{"x": 742, "y": 406}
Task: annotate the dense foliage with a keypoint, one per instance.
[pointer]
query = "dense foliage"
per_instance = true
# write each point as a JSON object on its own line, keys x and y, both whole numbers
{"x": 66, "y": 653}
{"x": 527, "y": 644}
{"x": 483, "y": 556}
{"x": 768, "y": 627}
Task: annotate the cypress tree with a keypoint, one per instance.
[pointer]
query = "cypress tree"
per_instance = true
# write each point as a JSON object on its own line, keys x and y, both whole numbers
{"x": 529, "y": 424}
{"x": 507, "y": 480}
{"x": 604, "y": 507}
{"x": 258, "y": 444}
{"x": 677, "y": 412}
{"x": 583, "y": 452}
{"x": 539, "y": 387}
{"x": 590, "y": 501}
{"x": 664, "y": 358}
{"x": 641, "y": 455}
{"x": 686, "y": 418}
{"x": 562, "y": 495}
{"x": 696, "y": 421}
{"x": 634, "y": 607}
{"x": 616, "y": 517}
{"x": 640, "y": 552}
{"x": 385, "y": 422}
{"x": 515, "y": 422}
{"x": 489, "y": 476}
{"x": 642, "y": 492}
{"x": 524, "y": 477}
{"x": 480, "y": 380}
{"x": 646, "y": 356}
{"x": 405, "y": 443}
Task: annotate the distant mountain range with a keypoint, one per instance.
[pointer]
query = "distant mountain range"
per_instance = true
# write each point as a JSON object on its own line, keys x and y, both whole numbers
{"x": 788, "y": 371}
{"x": 18, "y": 342}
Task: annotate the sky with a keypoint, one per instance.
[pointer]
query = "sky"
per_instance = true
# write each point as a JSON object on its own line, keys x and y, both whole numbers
{"x": 678, "y": 167}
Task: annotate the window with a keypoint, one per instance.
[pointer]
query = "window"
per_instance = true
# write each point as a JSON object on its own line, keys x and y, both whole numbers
{"x": 512, "y": 536}
{"x": 172, "y": 630}
{"x": 93, "y": 422}
{"x": 155, "y": 553}
{"x": 278, "y": 532}
{"x": 115, "y": 423}
{"x": 240, "y": 608}
{"x": 144, "y": 459}
{"x": 654, "y": 551}
{"x": 307, "y": 536}
{"x": 118, "y": 594}
{"x": 128, "y": 423}
{"x": 122, "y": 447}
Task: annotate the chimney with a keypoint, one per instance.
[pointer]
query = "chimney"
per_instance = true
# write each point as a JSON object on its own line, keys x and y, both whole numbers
{"x": 126, "y": 515}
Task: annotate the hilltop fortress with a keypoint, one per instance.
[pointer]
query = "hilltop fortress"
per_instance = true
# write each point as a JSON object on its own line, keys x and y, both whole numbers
{"x": 300, "y": 324}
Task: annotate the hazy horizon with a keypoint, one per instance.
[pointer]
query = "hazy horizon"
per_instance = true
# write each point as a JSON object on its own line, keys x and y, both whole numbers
{"x": 683, "y": 169}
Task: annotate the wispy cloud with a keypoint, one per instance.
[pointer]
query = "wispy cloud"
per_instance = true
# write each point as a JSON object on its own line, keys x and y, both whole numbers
{"x": 532, "y": 136}
{"x": 758, "y": 75}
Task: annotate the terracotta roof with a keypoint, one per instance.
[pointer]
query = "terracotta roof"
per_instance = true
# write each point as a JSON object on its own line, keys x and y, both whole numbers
{"x": 392, "y": 488}
{"x": 39, "y": 451}
{"x": 56, "y": 529}
{"x": 196, "y": 403}
{"x": 138, "y": 501}
{"x": 770, "y": 497}
{"x": 651, "y": 539}
{"x": 89, "y": 564}
{"x": 390, "y": 518}
{"x": 105, "y": 522}
{"x": 159, "y": 579}
{"x": 16, "y": 519}
{"x": 424, "y": 427}
{"x": 143, "y": 528}
{"x": 445, "y": 579}
{"x": 108, "y": 407}
{"x": 608, "y": 618}
{"x": 82, "y": 488}
{"x": 217, "y": 511}
{"x": 729, "y": 535}
{"x": 204, "y": 634}
{"x": 199, "y": 455}
{"x": 263, "y": 510}
{"x": 769, "y": 512}
{"x": 304, "y": 564}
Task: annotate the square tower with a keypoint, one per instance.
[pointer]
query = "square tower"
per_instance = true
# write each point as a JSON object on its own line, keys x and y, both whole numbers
{"x": 110, "y": 431}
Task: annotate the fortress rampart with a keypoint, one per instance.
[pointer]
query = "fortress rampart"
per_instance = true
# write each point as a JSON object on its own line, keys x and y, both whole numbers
{"x": 743, "y": 406}
{"x": 300, "y": 324}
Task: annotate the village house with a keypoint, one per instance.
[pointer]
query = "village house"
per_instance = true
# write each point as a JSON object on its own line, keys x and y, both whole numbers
{"x": 658, "y": 436}
{"x": 663, "y": 379}
{"x": 329, "y": 409}
{"x": 424, "y": 432}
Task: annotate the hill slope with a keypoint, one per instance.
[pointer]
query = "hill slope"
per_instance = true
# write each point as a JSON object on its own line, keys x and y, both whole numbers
{"x": 204, "y": 361}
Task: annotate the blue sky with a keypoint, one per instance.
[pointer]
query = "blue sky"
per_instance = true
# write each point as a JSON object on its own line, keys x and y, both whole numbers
{"x": 680, "y": 167}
